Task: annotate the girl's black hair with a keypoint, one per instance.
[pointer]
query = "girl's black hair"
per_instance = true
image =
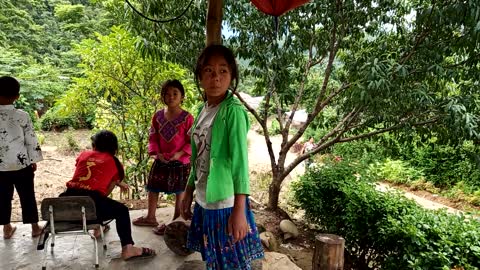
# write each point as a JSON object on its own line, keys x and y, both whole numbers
{"x": 171, "y": 83}
{"x": 217, "y": 50}
{"x": 105, "y": 141}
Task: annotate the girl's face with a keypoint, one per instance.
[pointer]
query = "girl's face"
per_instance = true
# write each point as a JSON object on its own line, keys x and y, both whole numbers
{"x": 172, "y": 97}
{"x": 215, "y": 77}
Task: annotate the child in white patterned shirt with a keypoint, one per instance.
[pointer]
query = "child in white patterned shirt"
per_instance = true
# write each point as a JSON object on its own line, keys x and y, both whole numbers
{"x": 19, "y": 153}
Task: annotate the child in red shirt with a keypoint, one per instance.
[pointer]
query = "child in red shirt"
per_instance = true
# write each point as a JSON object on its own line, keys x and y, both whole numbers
{"x": 96, "y": 174}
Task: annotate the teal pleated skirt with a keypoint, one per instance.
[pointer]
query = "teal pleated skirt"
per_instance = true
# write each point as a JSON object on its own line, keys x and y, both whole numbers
{"x": 209, "y": 235}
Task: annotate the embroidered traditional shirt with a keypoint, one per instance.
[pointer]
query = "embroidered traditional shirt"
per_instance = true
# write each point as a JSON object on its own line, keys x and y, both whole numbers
{"x": 18, "y": 143}
{"x": 168, "y": 137}
{"x": 94, "y": 171}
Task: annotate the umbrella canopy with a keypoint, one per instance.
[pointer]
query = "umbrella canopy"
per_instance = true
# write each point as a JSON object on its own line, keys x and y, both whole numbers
{"x": 277, "y": 7}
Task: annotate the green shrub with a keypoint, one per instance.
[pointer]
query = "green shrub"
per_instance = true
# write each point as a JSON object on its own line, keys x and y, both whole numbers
{"x": 395, "y": 171}
{"x": 274, "y": 128}
{"x": 433, "y": 240}
{"x": 55, "y": 120}
{"x": 41, "y": 138}
{"x": 72, "y": 144}
{"x": 446, "y": 165}
{"x": 384, "y": 230}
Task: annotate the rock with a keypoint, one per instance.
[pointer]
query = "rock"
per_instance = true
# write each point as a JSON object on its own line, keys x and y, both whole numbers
{"x": 192, "y": 265}
{"x": 260, "y": 228}
{"x": 289, "y": 229}
{"x": 269, "y": 241}
{"x": 256, "y": 265}
{"x": 278, "y": 261}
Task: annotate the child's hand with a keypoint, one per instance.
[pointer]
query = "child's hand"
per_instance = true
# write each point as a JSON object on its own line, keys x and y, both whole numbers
{"x": 237, "y": 225}
{"x": 124, "y": 187}
{"x": 186, "y": 203}
{"x": 177, "y": 155}
{"x": 159, "y": 157}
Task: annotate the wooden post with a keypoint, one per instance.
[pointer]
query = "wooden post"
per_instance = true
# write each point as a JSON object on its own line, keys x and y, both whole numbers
{"x": 176, "y": 236}
{"x": 214, "y": 22}
{"x": 328, "y": 253}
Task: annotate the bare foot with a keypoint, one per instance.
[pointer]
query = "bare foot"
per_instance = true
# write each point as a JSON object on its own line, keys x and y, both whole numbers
{"x": 36, "y": 230}
{"x": 97, "y": 233}
{"x": 8, "y": 231}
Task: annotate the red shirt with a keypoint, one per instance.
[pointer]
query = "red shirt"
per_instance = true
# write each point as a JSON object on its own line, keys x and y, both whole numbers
{"x": 94, "y": 171}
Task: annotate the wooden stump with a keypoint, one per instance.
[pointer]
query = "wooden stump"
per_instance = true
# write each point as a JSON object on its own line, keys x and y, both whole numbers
{"x": 328, "y": 253}
{"x": 176, "y": 236}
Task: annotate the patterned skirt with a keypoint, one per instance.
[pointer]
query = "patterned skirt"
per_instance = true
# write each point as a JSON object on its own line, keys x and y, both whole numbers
{"x": 209, "y": 235}
{"x": 169, "y": 177}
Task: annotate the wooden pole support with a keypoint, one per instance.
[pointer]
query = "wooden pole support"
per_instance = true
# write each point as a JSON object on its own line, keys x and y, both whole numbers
{"x": 214, "y": 22}
{"x": 328, "y": 253}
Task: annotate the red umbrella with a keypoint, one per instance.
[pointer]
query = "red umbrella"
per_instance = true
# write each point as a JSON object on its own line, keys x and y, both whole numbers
{"x": 277, "y": 7}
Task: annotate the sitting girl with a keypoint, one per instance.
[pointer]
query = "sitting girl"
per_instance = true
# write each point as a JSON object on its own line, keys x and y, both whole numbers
{"x": 96, "y": 174}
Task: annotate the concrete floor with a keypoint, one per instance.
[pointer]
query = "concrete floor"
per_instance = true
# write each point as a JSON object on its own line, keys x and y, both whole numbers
{"x": 76, "y": 252}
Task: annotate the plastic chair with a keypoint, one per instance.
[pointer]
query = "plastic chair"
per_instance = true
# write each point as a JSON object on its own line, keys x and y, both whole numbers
{"x": 72, "y": 215}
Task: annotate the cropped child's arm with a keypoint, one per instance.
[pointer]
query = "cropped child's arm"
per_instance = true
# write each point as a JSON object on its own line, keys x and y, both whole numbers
{"x": 122, "y": 185}
{"x": 153, "y": 139}
{"x": 187, "y": 202}
{"x": 31, "y": 143}
{"x": 186, "y": 148}
{"x": 237, "y": 222}
{"x": 237, "y": 129}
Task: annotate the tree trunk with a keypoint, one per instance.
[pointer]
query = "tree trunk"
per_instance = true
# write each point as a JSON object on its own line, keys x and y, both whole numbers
{"x": 214, "y": 22}
{"x": 328, "y": 253}
{"x": 274, "y": 192}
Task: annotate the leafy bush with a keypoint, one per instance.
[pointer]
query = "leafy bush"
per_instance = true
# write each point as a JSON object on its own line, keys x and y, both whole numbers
{"x": 274, "y": 128}
{"x": 55, "y": 119}
{"x": 72, "y": 144}
{"x": 446, "y": 165}
{"x": 41, "y": 138}
{"x": 396, "y": 171}
{"x": 122, "y": 88}
{"x": 384, "y": 230}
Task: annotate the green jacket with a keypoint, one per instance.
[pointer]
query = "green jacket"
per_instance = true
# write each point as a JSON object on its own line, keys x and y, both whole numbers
{"x": 228, "y": 154}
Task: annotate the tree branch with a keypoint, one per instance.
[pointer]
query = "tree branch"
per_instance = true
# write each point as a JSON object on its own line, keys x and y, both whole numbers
{"x": 339, "y": 129}
{"x": 394, "y": 127}
{"x": 263, "y": 124}
{"x": 312, "y": 116}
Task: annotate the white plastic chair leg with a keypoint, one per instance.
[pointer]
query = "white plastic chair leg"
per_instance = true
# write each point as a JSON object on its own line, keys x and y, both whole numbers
{"x": 95, "y": 249}
{"x": 45, "y": 253}
{"x": 102, "y": 235}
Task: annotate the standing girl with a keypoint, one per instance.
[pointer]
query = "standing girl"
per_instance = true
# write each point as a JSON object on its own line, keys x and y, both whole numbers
{"x": 169, "y": 145}
{"x": 96, "y": 173}
{"x": 223, "y": 227}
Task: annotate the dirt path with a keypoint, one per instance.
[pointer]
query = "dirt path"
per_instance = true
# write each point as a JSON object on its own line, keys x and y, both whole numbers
{"x": 424, "y": 202}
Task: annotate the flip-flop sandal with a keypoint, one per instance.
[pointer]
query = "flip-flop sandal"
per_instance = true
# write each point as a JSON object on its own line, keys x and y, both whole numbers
{"x": 8, "y": 236}
{"x": 141, "y": 221}
{"x": 146, "y": 254}
{"x": 160, "y": 230}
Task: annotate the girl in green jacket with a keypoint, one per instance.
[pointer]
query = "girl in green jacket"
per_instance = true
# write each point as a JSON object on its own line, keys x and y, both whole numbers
{"x": 223, "y": 227}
